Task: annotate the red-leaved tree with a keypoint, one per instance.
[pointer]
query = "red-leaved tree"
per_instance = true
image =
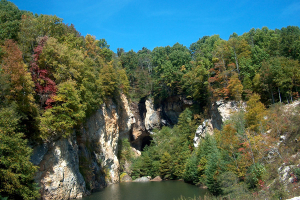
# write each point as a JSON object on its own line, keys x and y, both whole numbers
{"x": 44, "y": 85}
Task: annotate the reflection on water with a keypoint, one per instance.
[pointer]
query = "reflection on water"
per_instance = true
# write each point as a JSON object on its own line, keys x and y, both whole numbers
{"x": 166, "y": 190}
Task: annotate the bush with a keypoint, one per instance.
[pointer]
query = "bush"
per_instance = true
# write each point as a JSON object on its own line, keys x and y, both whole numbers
{"x": 254, "y": 175}
{"x": 297, "y": 174}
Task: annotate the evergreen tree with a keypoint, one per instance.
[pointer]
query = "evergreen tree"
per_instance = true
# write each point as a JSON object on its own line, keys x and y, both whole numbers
{"x": 16, "y": 170}
{"x": 166, "y": 168}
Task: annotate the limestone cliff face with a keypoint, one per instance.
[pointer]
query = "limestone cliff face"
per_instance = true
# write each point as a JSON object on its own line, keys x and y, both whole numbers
{"x": 146, "y": 118}
{"x": 58, "y": 175}
{"x": 152, "y": 118}
{"x": 71, "y": 168}
{"x": 219, "y": 112}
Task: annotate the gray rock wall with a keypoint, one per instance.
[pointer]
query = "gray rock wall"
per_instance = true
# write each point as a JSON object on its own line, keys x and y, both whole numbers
{"x": 219, "y": 112}
{"x": 71, "y": 168}
{"x": 58, "y": 175}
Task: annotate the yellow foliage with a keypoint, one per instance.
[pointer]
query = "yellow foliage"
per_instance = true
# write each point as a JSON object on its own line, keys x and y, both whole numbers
{"x": 255, "y": 113}
{"x": 235, "y": 87}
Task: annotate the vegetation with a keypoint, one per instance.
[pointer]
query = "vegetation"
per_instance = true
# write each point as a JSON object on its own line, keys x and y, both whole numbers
{"x": 52, "y": 78}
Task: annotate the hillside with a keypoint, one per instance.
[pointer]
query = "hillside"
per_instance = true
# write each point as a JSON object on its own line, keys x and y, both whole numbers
{"x": 69, "y": 101}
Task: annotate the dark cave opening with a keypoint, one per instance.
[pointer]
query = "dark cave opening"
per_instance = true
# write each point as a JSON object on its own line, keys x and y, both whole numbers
{"x": 146, "y": 142}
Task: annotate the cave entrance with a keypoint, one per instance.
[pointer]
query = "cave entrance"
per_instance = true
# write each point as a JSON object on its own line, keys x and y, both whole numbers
{"x": 146, "y": 142}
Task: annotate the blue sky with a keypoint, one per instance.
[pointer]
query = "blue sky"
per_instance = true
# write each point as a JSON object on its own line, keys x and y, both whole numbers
{"x": 133, "y": 24}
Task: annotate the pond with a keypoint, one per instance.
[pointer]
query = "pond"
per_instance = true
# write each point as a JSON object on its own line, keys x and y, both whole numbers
{"x": 165, "y": 190}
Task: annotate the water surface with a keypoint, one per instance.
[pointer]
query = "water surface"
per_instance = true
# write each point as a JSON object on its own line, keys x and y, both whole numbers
{"x": 165, "y": 190}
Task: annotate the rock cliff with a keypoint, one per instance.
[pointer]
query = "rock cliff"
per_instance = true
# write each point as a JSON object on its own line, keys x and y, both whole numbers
{"x": 172, "y": 107}
{"x": 147, "y": 118}
{"x": 71, "y": 168}
{"x": 58, "y": 175}
{"x": 219, "y": 112}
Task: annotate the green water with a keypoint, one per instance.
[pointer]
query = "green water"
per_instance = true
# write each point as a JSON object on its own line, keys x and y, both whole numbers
{"x": 165, "y": 190}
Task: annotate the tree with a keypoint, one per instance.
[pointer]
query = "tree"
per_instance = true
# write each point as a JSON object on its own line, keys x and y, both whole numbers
{"x": 20, "y": 83}
{"x": 108, "y": 79}
{"x": 16, "y": 170}
{"x": 67, "y": 112}
{"x": 170, "y": 64}
{"x": 10, "y": 17}
{"x": 255, "y": 113}
{"x": 45, "y": 86}
{"x": 191, "y": 170}
{"x": 166, "y": 166}
{"x": 290, "y": 42}
{"x": 102, "y": 43}
{"x": 213, "y": 169}
{"x": 235, "y": 87}
{"x": 195, "y": 83}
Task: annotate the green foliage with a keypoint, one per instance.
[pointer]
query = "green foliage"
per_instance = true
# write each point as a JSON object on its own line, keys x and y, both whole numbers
{"x": 261, "y": 63}
{"x": 136, "y": 169}
{"x": 297, "y": 173}
{"x": 195, "y": 83}
{"x": 228, "y": 181}
{"x": 191, "y": 170}
{"x": 171, "y": 63}
{"x": 125, "y": 154}
{"x": 165, "y": 168}
{"x": 16, "y": 170}
{"x": 66, "y": 113}
{"x": 108, "y": 79}
{"x": 254, "y": 175}
{"x": 10, "y": 17}
{"x": 213, "y": 169}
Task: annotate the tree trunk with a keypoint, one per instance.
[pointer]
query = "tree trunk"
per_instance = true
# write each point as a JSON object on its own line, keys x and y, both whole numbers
{"x": 279, "y": 95}
{"x": 236, "y": 62}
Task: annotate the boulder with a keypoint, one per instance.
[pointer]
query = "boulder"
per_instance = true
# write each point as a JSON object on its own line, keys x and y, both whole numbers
{"x": 285, "y": 173}
{"x": 125, "y": 178}
{"x": 142, "y": 179}
{"x": 157, "y": 179}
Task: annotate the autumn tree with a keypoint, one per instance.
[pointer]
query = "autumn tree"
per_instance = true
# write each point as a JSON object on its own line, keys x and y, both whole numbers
{"x": 67, "y": 112}
{"x": 20, "y": 89}
{"x": 235, "y": 87}
{"x": 45, "y": 85}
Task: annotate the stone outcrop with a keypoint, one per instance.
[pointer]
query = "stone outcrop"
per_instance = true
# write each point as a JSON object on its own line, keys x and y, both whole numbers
{"x": 205, "y": 128}
{"x": 149, "y": 117}
{"x": 219, "y": 112}
{"x": 172, "y": 107}
{"x": 71, "y": 168}
{"x": 125, "y": 178}
{"x": 285, "y": 172}
{"x": 99, "y": 140}
{"x": 146, "y": 118}
{"x": 59, "y": 175}
{"x": 152, "y": 118}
